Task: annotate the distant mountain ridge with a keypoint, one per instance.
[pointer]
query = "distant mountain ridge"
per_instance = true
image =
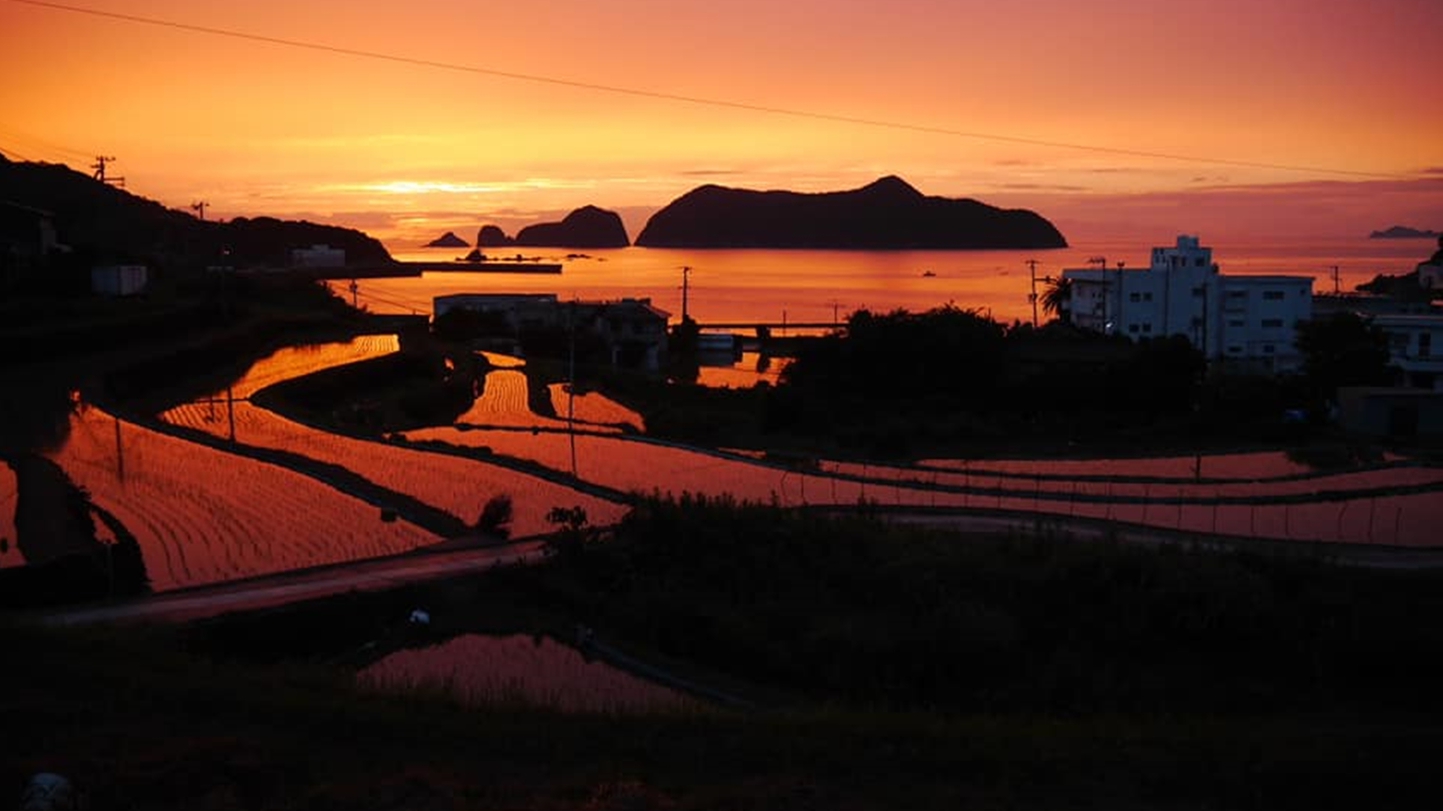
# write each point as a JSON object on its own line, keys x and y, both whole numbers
{"x": 448, "y": 240}
{"x": 107, "y": 224}
{"x": 1403, "y": 232}
{"x": 585, "y": 227}
{"x": 885, "y": 214}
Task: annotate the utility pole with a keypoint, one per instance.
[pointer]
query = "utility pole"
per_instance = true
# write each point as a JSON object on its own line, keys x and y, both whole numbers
{"x": 685, "y": 289}
{"x": 836, "y": 309}
{"x": 571, "y": 383}
{"x": 199, "y": 207}
{"x": 355, "y": 291}
{"x": 99, "y": 167}
{"x": 1032, "y": 297}
{"x": 1336, "y": 285}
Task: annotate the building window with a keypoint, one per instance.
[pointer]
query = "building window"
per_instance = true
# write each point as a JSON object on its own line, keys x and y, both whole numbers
{"x": 1132, "y": 328}
{"x": 1425, "y": 344}
{"x": 1267, "y": 349}
{"x": 1134, "y": 297}
{"x": 1272, "y": 295}
{"x": 1146, "y": 326}
{"x": 1196, "y": 321}
{"x": 1147, "y": 297}
{"x": 1198, "y": 262}
{"x": 1235, "y": 350}
{"x": 1237, "y": 294}
{"x": 1199, "y": 291}
{"x": 1272, "y": 323}
{"x": 1235, "y": 322}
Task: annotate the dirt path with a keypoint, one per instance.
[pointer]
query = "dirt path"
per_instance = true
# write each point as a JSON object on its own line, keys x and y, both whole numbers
{"x": 288, "y": 587}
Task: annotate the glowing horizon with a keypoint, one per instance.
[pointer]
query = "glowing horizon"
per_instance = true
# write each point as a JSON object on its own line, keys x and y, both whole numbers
{"x": 404, "y": 150}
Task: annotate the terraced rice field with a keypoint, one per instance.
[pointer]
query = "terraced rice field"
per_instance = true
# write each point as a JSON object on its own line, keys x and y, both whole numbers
{"x": 9, "y": 499}
{"x": 297, "y": 361}
{"x": 1312, "y": 484}
{"x": 744, "y": 374}
{"x": 500, "y": 361}
{"x": 503, "y": 402}
{"x": 487, "y": 670}
{"x": 1330, "y": 509}
{"x": 595, "y": 409}
{"x": 202, "y": 516}
{"x": 1240, "y": 466}
{"x": 642, "y": 467}
{"x": 456, "y": 485}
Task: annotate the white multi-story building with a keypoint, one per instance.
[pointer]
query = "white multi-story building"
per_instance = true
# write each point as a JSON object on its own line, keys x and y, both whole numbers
{"x": 1243, "y": 320}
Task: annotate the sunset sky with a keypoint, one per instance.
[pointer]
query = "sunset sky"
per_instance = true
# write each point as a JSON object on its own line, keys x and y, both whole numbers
{"x": 406, "y": 151}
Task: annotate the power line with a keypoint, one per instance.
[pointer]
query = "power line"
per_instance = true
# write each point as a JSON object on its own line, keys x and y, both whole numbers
{"x": 41, "y": 145}
{"x": 701, "y": 100}
{"x": 10, "y": 153}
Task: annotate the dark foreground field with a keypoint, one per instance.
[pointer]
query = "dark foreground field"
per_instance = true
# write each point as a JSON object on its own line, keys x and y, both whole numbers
{"x": 894, "y": 668}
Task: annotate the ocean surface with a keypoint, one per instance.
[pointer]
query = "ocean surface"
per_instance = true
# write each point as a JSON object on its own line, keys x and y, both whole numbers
{"x": 808, "y": 286}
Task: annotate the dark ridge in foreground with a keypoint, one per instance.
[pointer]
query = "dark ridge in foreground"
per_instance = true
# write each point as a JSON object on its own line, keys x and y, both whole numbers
{"x": 886, "y": 214}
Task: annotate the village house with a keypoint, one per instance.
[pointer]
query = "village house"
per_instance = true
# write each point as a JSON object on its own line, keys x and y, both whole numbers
{"x": 1244, "y": 322}
{"x": 27, "y": 239}
{"x": 119, "y": 280}
{"x": 632, "y": 329}
{"x": 1415, "y": 347}
{"x": 318, "y": 256}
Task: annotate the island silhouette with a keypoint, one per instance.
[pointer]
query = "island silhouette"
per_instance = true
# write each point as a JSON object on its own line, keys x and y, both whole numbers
{"x": 885, "y": 214}
{"x": 586, "y": 227}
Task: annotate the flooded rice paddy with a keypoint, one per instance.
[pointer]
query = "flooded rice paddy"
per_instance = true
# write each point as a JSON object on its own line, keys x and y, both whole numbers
{"x": 221, "y": 488}
{"x": 202, "y": 515}
{"x": 10, "y": 554}
{"x": 519, "y": 669}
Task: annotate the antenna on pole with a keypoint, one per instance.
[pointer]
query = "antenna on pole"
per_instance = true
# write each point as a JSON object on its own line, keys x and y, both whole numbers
{"x": 1032, "y": 297}
{"x": 99, "y": 167}
{"x": 199, "y": 207}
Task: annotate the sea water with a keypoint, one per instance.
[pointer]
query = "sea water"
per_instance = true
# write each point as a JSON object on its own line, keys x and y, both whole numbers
{"x": 820, "y": 287}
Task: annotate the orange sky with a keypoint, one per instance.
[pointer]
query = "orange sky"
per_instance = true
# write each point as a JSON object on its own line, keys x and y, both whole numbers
{"x": 406, "y": 151}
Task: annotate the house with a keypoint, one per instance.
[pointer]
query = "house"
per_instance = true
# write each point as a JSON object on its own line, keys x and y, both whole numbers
{"x": 1397, "y": 413}
{"x": 119, "y": 280}
{"x": 520, "y": 311}
{"x": 1430, "y": 276}
{"x": 632, "y": 331}
{"x": 318, "y": 256}
{"x": 1244, "y": 322}
{"x": 27, "y": 239}
{"x": 1415, "y": 347}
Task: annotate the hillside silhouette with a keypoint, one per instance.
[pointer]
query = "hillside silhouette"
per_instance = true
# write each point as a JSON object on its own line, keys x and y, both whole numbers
{"x": 103, "y": 223}
{"x": 885, "y": 214}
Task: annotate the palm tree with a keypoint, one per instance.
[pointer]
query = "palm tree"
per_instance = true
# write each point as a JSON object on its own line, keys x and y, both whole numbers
{"x": 1057, "y": 300}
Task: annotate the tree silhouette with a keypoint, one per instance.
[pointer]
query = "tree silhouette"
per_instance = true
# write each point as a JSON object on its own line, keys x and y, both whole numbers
{"x": 1057, "y": 300}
